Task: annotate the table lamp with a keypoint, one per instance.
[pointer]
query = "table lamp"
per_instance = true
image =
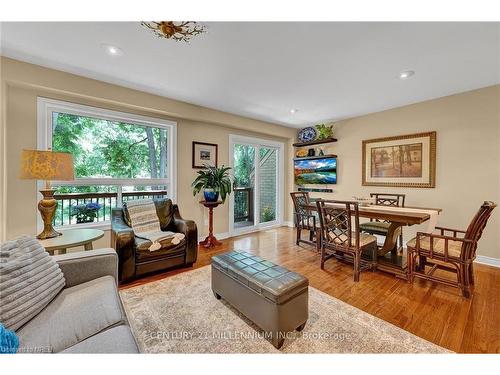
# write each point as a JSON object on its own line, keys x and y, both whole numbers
{"x": 48, "y": 166}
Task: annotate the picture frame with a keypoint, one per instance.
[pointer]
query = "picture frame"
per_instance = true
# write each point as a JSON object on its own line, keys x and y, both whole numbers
{"x": 400, "y": 161}
{"x": 204, "y": 154}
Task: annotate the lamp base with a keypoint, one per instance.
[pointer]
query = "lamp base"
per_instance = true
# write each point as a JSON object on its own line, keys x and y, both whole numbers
{"x": 47, "y": 207}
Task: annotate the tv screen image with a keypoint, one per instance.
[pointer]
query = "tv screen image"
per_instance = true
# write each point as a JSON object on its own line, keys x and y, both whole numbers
{"x": 316, "y": 171}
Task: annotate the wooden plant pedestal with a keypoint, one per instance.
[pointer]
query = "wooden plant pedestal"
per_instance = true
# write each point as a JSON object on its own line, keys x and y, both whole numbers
{"x": 210, "y": 241}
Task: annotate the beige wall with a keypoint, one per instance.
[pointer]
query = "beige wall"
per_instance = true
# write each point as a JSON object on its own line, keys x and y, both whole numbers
{"x": 21, "y": 85}
{"x": 467, "y": 125}
{"x": 468, "y": 157}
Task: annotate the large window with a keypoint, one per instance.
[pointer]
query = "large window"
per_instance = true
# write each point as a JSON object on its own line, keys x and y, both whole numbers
{"x": 117, "y": 156}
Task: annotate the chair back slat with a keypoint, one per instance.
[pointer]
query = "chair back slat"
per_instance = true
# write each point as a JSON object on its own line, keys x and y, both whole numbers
{"x": 388, "y": 199}
{"x": 475, "y": 229}
{"x": 300, "y": 199}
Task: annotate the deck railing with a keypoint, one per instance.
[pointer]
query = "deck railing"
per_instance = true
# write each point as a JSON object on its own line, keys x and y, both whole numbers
{"x": 243, "y": 204}
{"x": 66, "y": 202}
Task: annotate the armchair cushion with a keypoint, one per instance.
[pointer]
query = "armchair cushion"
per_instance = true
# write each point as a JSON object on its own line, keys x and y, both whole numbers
{"x": 454, "y": 247}
{"x": 143, "y": 252}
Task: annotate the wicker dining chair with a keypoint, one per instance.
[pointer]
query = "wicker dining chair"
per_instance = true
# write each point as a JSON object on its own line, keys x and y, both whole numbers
{"x": 452, "y": 250}
{"x": 375, "y": 226}
{"x": 305, "y": 219}
{"x": 340, "y": 235}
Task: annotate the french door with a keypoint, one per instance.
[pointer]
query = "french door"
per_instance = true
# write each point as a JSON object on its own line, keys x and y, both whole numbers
{"x": 257, "y": 200}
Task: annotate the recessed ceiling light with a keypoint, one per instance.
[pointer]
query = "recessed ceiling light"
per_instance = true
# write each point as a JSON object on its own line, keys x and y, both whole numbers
{"x": 112, "y": 50}
{"x": 293, "y": 110}
{"x": 406, "y": 74}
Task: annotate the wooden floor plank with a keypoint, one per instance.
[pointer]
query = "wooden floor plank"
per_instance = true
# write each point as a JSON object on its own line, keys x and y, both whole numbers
{"x": 434, "y": 312}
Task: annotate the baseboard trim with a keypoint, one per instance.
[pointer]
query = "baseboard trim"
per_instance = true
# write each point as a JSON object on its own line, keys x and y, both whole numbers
{"x": 226, "y": 235}
{"x": 219, "y": 236}
{"x": 489, "y": 261}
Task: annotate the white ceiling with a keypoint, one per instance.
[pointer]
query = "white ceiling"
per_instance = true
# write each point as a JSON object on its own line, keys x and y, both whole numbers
{"x": 328, "y": 71}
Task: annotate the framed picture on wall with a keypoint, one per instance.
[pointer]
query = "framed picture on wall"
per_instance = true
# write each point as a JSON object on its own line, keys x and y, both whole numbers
{"x": 204, "y": 154}
{"x": 401, "y": 161}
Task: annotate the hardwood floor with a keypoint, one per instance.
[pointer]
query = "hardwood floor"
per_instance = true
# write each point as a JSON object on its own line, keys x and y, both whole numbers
{"x": 437, "y": 313}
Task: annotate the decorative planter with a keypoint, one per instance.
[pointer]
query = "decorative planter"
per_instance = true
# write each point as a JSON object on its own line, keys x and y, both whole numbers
{"x": 81, "y": 220}
{"x": 211, "y": 195}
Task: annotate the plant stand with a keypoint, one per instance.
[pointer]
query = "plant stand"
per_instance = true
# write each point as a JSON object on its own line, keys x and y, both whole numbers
{"x": 210, "y": 241}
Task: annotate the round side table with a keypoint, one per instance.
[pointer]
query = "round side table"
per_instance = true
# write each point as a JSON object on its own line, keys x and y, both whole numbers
{"x": 72, "y": 238}
{"x": 210, "y": 241}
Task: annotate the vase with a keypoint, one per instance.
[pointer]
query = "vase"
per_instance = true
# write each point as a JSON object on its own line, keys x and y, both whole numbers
{"x": 211, "y": 195}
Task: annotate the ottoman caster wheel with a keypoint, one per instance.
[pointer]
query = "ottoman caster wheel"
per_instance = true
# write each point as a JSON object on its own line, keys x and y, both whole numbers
{"x": 301, "y": 327}
{"x": 216, "y": 295}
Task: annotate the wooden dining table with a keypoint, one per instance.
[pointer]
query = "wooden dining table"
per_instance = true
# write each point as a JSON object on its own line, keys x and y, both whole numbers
{"x": 389, "y": 259}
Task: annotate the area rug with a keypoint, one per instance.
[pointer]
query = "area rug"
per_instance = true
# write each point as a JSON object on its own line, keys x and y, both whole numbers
{"x": 180, "y": 314}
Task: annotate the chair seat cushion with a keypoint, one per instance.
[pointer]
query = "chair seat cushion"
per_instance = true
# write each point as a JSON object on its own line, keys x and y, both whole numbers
{"x": 365, "y": 239}
{"x": 454, "y": 247}
{"x": 76, "y": 314}
{"x": 167, "y": 248}
{"x": 375, "y": 227}
{"x": 116, "y": 340}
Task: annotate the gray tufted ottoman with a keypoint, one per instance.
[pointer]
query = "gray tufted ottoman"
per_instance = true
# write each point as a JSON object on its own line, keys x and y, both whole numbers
{"x": 271, "y": 296}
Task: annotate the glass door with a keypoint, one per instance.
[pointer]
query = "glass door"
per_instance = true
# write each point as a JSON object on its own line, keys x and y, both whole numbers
{"x": 256, "y": 199}
{"x": 244, "y": 185}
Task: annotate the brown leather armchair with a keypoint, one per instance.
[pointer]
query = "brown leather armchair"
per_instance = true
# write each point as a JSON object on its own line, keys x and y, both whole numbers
{"x": 134, "y": 257}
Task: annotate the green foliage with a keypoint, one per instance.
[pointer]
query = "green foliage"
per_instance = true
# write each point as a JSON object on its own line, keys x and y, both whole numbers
{"x": 213, "y": 178}
{"x": 324, "y": 131}
{"x": 109, "y": 149}
{"x": 244, "y": 164}
{"x": 85, "y": 212}
{"x": 267, "y": 214}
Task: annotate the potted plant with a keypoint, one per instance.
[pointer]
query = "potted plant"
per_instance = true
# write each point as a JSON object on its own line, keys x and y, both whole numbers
{"x": 213, "y": 181}
{"x": 85, "y": 213}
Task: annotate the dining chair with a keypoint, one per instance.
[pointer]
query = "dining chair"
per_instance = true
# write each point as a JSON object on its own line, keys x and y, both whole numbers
{"x": 452, "y": 250}
{"x": 305, "y": 219}
{"x": 341, "y": 235}
{"x": 375, "y": 226}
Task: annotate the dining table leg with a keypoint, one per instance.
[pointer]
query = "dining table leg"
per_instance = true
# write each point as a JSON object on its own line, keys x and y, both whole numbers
{"x": 391, "y": 239}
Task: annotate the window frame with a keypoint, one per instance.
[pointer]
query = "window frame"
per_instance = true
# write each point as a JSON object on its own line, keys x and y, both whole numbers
{"x": 46, "y": 106}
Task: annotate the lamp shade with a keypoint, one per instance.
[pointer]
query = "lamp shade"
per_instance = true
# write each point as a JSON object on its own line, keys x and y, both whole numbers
{"x": 47, "y": 165}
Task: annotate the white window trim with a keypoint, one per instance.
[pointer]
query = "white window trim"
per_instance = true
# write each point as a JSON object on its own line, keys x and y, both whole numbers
{"x": 46, "y": 106}
{"x": 280, "y": 184}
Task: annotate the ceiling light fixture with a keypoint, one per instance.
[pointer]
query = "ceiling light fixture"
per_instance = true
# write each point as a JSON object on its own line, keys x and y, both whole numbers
{"x": 178, "y": 31}
{"x": 406, "y": 74}
{"x": 293, "y": 111}
{"x": 112, "y": 50}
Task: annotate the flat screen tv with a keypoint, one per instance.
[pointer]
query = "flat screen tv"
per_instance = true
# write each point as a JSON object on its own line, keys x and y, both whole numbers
{"x": 320, "y": 170}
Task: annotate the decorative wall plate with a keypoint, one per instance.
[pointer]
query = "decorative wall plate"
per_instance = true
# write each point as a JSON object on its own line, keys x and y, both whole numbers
{"x": 302, "y": 153}
{"x": 307, "y": 134}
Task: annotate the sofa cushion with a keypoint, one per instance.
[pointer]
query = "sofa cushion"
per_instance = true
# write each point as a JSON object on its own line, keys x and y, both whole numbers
{"x": 29, "y": 279}
{"x": 116, "y": 340}
{"x": 76, "y": 314}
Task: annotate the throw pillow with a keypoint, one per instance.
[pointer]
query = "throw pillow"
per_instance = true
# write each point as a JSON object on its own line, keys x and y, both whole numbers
{"x": 29, "y": 279}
